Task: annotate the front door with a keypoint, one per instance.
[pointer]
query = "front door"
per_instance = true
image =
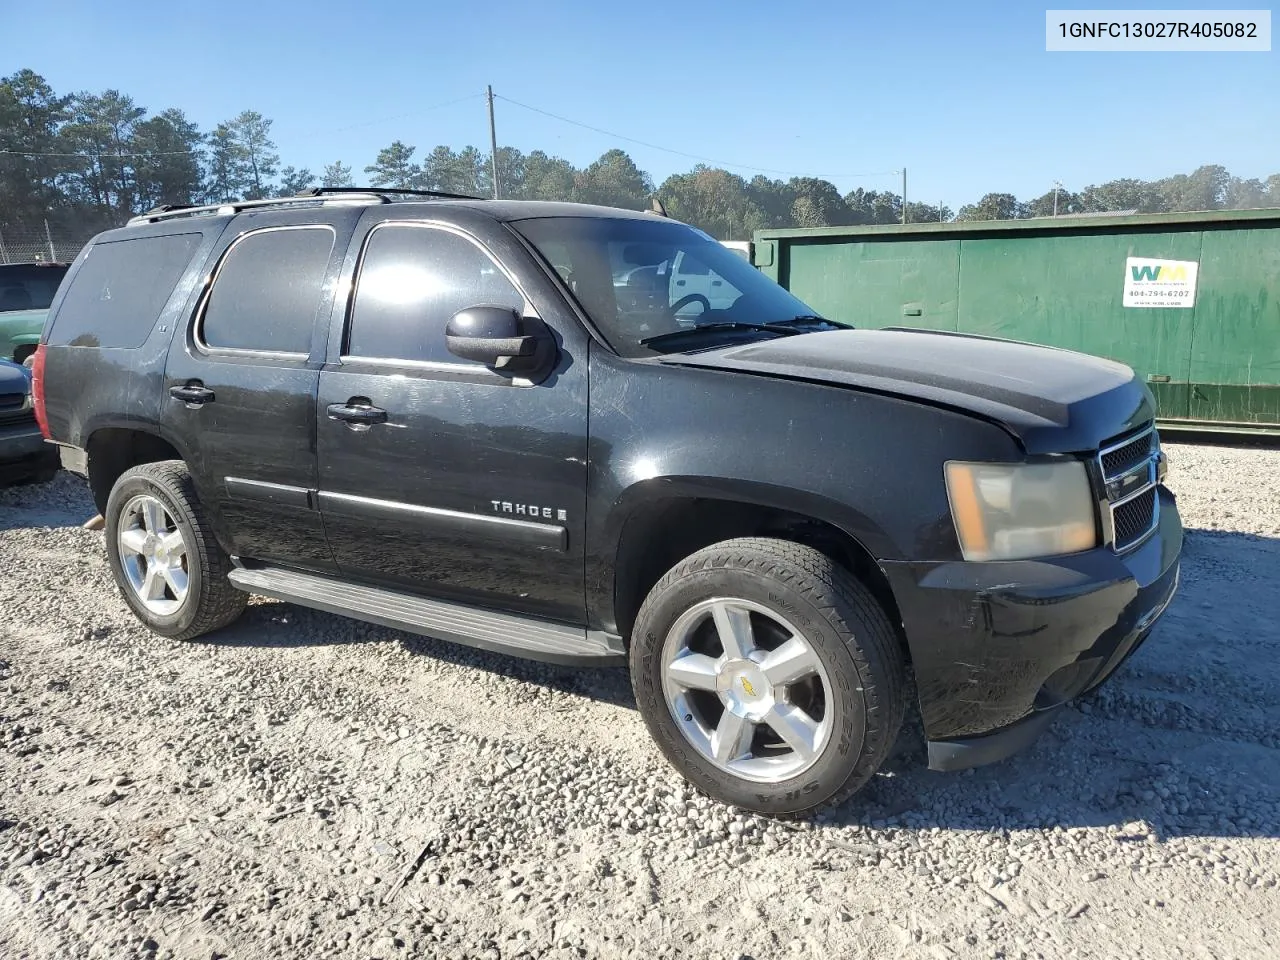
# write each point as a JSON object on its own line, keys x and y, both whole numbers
{"x": 460, "y": 483}
{"x": 242, "y": 380}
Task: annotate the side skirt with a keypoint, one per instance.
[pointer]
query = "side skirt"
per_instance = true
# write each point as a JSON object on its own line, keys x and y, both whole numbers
{"x": 499, "y": 632}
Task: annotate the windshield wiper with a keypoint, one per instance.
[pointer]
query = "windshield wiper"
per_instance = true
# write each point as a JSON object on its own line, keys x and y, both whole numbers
{"x": 805, "y": 318}
{"x": 661, "y": 338}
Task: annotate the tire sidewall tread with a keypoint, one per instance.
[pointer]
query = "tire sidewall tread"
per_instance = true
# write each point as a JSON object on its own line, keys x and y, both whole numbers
{"x": 212, "y": 602}
{"x": 838, "y": 616}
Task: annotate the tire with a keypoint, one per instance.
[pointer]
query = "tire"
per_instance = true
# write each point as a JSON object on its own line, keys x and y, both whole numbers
{"x": 209, "y": 601}
{"x": 779, "y": 590}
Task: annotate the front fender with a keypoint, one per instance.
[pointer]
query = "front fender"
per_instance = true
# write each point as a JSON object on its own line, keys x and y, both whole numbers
{"x": 621, "y": 550}
{"x": 643, "y": 493}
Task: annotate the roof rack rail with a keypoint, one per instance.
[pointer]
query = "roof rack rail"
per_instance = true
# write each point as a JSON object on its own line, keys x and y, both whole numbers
{"x": 170, "y": 211}
{"x": 393, "y": 191}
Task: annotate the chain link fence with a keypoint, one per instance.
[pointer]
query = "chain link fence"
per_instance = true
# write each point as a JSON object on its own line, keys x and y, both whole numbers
{"x": 44, "y": 243}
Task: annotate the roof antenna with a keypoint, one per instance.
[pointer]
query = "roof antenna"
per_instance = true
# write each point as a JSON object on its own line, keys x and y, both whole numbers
{"x": 658, "y": 208}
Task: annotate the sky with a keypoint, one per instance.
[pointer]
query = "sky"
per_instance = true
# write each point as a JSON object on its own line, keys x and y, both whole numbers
{"x": 963, "y": 95}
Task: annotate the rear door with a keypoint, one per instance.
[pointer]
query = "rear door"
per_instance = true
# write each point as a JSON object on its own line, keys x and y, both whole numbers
{"x": 473, "y": 485}
{"x": 241, "y": 380}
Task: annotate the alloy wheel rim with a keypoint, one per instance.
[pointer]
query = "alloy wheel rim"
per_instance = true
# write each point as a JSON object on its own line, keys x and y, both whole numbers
{"x": 747, "y": 690}
{"x": 153, "y": 554}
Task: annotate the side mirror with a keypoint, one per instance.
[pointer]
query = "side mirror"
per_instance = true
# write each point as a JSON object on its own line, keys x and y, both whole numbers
{"x": 492, "y": 336}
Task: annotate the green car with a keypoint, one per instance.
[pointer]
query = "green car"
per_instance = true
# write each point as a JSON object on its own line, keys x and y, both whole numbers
{"x": 26, "y": 290}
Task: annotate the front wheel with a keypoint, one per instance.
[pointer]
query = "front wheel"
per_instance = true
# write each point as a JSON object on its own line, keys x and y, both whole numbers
{"x": 170, "y": 569}
{"x": 768, "y": 675}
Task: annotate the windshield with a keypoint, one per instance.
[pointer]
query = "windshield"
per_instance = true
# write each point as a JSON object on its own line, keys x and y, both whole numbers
{"x": 28, "y": 287}
{"x": 639, "y": 280}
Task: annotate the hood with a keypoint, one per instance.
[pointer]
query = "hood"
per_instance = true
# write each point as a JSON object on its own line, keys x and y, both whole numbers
{"x": 1053, "y": 401}
{"x": 14, "y": 378}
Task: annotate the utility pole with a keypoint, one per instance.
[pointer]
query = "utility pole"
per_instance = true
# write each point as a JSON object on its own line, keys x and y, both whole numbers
{"x": 941, "y": 206}
{"x": 1056, "y": 186}
{"x": 493, "y": 143}
{"x": 904, "y": 194}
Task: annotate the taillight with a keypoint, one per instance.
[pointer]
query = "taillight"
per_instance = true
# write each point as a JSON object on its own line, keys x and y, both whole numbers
{"x": 37, "y": 391}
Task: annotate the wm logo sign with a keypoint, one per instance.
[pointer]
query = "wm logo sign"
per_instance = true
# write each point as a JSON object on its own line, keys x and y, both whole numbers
{"x": 1149, "y": 282}
{"x": 1157, "y": 272}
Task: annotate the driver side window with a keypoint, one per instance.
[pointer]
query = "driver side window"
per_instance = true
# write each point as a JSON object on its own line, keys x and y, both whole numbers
{"x": 412, "y": 279}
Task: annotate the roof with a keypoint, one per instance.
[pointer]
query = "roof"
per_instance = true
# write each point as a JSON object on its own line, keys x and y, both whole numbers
{"x": 531, "y": 209}
{"x": 497, "y": 209}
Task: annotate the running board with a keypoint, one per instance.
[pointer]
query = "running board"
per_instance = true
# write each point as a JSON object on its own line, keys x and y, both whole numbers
{"x": 499, "y": 632}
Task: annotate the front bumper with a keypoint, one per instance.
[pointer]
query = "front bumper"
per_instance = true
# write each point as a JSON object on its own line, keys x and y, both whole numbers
{"x": 24, "y": 454}
{"x": 997, "y": 647}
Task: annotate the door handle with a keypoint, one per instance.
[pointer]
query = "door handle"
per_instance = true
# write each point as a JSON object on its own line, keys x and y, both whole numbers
{"x": 356, "y": 411}
{"x": 194, "y": 394}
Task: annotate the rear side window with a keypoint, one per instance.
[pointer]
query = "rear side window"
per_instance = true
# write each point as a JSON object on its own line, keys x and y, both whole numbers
{"x": 267, "y": 290}
{"x": 412, "y": 280}
{"x": 117, "y": 294}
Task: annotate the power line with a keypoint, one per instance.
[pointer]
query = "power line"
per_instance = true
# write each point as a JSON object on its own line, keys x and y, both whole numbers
{"x": 693, "y": 156}
{"x": 96, "y": 156}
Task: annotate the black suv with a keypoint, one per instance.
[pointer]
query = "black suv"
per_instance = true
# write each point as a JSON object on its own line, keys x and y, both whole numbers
{"x": 505, "y": 424}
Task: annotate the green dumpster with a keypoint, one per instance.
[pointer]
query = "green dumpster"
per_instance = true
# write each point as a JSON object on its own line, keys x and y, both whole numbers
{"x": 1191, "y": 300}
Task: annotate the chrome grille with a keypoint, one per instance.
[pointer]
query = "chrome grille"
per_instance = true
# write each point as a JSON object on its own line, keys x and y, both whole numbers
{"x": 1116, "y": 460}
{"x": 1130, "y": 468}
{"x": 1133, "y": 517}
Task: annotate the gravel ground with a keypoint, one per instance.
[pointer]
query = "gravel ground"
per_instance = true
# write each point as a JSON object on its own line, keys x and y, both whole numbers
{"x": 301, "y": 785}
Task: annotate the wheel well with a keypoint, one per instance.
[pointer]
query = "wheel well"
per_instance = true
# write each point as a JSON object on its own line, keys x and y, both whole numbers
{"x": 112, "y": 451}
{"x": 661, "y": 535}
{"x": 20, "y": 353}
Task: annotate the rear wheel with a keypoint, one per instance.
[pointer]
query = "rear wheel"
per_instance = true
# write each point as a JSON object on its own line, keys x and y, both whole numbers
{"x": 168, "y": 565}
{"x": 768, "y": 675}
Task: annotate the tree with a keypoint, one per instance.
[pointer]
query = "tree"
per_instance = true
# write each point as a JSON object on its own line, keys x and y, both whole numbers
{"x": 252, "y": 132}
{"x": 336, "y": 174}
{"x": 614, "y": 181}
{"x": 1203, "y": 189}
{"x": 228, "y": 173}
{"x": 100, "y": 134}
{"x": 168, "y": 172}
{"x": 818, "y": 203}
{"x": 994, "y": 206}
{"x": 461, "y": 172}
{"x": 1273, "y": 190}
{"x": 1245, "y": 194}
{"x": 293, "y": 182}
{"x": 1043, "y": 205}
{"x": 394, "y": 167}
{"x": 883, "y": 206}
{"x": 714, "y": 200}
{"x": 773, "y": 198}
{"x": 30, "y": 116}
{"x": 1124, "y": 194}
{"x": 926, "y": 212}
{"x": 545, "y": 178}
{"x": 511, "y": 172}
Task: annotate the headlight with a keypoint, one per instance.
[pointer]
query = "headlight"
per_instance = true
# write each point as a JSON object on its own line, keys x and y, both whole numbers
{"x": 1014, "y": 511}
